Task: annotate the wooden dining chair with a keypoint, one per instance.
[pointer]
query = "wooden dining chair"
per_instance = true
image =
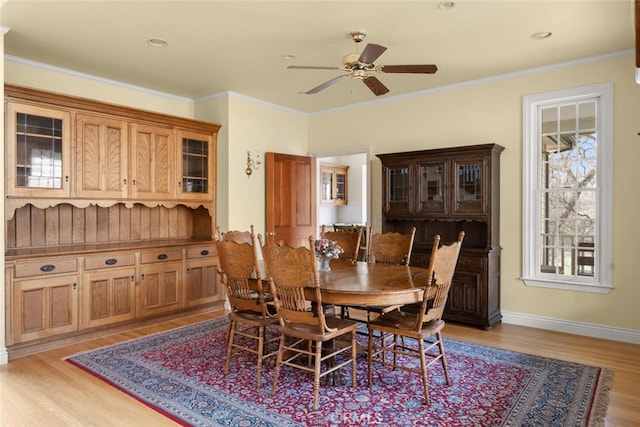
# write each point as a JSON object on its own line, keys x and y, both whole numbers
{"x": 349, "y": 241}
{"x": 391, "y": 247}
{"x": 423, "y": 325}
{"x": 251, "y": 309}
{"x": 236, "y": 236}
{"x": 308, "y": 340}
{"x": 388, "y": 248}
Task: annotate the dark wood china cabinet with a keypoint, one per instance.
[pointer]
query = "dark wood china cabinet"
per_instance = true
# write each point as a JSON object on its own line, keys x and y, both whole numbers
{"x": 444, "y": 191}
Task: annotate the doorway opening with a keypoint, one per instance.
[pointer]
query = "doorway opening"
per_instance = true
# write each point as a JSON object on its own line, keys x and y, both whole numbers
{"x": 357, "y": 209}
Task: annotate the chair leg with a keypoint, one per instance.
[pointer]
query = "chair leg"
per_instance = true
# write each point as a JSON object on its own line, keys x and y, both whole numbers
{"x": 278, "y": 363}
{"x": 370, "y": 358}
{"x": 395, "y": 350}
{"x": 443, "y": 358}
{"x": 354, "y": 354}
{"x": 260, "y": 331}
{"x": 316, "y": 374}
{"x": 230, "y": 338}
{"x": 423, "y": 368}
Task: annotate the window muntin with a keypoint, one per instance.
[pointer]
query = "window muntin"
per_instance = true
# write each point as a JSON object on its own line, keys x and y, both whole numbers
{"x": 567, "y": 178}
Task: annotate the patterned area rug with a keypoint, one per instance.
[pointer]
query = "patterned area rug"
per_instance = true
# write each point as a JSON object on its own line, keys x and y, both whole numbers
{"x": 179, "y": 374}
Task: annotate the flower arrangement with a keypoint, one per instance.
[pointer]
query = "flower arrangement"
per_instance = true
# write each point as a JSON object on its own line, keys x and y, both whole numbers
{"x": 327, "y": 248}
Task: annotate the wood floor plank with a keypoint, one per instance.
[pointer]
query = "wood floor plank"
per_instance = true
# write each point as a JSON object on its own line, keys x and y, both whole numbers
{"x": 43, "y": 389}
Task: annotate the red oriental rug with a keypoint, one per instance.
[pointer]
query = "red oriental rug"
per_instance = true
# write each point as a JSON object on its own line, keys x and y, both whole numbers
{"x": 179, "y": 374}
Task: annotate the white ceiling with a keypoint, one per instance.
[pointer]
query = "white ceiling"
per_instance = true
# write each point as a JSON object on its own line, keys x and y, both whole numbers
{"x": 238, "y": 46}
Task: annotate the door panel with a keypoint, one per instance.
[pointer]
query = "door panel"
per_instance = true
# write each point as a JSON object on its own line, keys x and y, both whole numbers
{"x": 290, "y": 199}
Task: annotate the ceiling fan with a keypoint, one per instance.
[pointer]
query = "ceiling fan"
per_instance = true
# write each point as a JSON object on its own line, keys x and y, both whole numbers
{"x": 359, "y": 66}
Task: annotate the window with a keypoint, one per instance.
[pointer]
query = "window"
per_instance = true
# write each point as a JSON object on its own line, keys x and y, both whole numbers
{"x": 567, "y": 155}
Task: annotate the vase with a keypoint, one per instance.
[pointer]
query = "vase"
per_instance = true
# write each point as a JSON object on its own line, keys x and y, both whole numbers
{"x": 323, "y": 263}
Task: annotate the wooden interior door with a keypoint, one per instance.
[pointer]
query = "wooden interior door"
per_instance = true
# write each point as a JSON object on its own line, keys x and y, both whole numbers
{"x": 290, "y": 199}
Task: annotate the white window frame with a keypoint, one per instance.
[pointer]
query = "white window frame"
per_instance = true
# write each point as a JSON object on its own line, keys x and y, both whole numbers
{"x": 531, "y": 161}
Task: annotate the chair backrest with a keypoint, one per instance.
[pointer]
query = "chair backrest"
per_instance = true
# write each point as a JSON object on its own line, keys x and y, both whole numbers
{"x": 349, "y": 241}
{"x": 240, "y": 272}
{"x": 390, "y": 248}
{"x": 237, "y": 236}
{"x": 293, "y": 277}
{"x": 442, "y": 265}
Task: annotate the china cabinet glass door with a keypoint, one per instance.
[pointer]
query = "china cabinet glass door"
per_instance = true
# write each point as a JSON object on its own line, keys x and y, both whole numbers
{"x": 37, "y": 151}
{"x": 469, "y": 191}
{"x": 196, "y": 172}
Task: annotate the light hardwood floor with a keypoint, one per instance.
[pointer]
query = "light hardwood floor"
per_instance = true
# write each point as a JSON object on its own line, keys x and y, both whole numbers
{"x": 43, "y": 390}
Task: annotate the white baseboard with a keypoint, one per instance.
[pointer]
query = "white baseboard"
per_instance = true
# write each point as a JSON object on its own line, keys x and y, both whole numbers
{"x": 631, "y": 336}
{"x": 4, "y": 356}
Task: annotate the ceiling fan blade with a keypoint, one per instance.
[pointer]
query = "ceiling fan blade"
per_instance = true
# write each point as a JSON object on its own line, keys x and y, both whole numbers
{"x": 418, "y": 69}
{"x": 371, "y": 53}
{"x": 375, "y": 85}
{"x": 309, "y": 67}
{"x": 326, "y": 84}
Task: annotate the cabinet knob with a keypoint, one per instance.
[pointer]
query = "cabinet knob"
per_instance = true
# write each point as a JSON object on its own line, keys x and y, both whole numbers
{"x": 66, "y": 178}
{"x": 162, "y": 256}
{"x": 125, "y": 181}
{"x": 133, "y": 182}
{"x": 74, "y": 285}
{"x": 111, "y": 261}
{"x": 47, "y": 268}
{"x": 204, "y": 252}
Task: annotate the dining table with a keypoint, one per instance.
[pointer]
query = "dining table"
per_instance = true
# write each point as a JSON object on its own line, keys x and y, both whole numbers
{"x": 370, "y": 284}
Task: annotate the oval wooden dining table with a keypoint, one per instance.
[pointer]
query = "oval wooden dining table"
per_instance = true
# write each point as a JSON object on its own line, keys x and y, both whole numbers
{"x": 366, "y": 284}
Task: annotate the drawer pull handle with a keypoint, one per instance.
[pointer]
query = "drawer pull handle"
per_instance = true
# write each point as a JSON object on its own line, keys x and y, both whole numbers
{"x": 47, "y": 268}
{"x": 162, "y": 256}
{"x": 204, "y": 252}
{"x": 111, "y": 261}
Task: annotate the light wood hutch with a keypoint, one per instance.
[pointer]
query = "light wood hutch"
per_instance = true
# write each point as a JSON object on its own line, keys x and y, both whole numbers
{"x": 445, "y": 191}
{"x": 110, "y": 213}
{"x": 334, "y": 179}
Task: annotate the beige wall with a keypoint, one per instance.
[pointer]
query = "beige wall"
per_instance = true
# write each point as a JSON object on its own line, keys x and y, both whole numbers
{"x": 492, "y": 113}
{"x": 486, "y": 112}
{"x": 248, "y": 125}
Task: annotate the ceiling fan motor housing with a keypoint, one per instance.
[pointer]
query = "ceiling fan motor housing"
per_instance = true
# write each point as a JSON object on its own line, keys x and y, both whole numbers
{"x": 351, "y": 60}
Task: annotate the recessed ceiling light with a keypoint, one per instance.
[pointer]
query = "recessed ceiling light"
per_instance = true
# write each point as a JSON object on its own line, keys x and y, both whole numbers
{"x": 444, "y": 5}
{"x": 541, "y": 35}
{"x": 289, "y": 56}
{"x": 157, "y": 42}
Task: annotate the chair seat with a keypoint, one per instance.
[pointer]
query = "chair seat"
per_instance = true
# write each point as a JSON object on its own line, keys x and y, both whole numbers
{"x": 252, "y": 318}
{"x": 310, "y": 332}
{"x": 405, "y": 324}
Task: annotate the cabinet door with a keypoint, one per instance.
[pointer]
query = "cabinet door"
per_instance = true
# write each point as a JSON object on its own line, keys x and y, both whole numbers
{"x": 202, "y": 284}
{"x": 152, "y": 163}
{"x": 196, "y": 174}
{"x": 340, "y": 189}
{"x": 396, "y": 189}
{"x": 326, "y": 183}
{"x": 433, "y": 187}
{"x": 108, "y": 296}
{"x": 470, "y": 181}
{"x": 101, "y": 151}
{"x": 159, "y": 288}
{"x": 38, "y": 151}
{"x": 44, "y": 307}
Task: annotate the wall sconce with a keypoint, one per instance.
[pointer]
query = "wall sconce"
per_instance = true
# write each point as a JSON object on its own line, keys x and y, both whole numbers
{"x": 252, "y": 165}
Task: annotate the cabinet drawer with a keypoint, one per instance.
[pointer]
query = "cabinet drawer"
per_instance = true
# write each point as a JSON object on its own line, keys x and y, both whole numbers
{"x": 42, "y": 266}
{"x": 160, "y": 255}
{"x": 470, "y": 263}
{"x": 94, "y": 262}
{"x": 202, "y": 251}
